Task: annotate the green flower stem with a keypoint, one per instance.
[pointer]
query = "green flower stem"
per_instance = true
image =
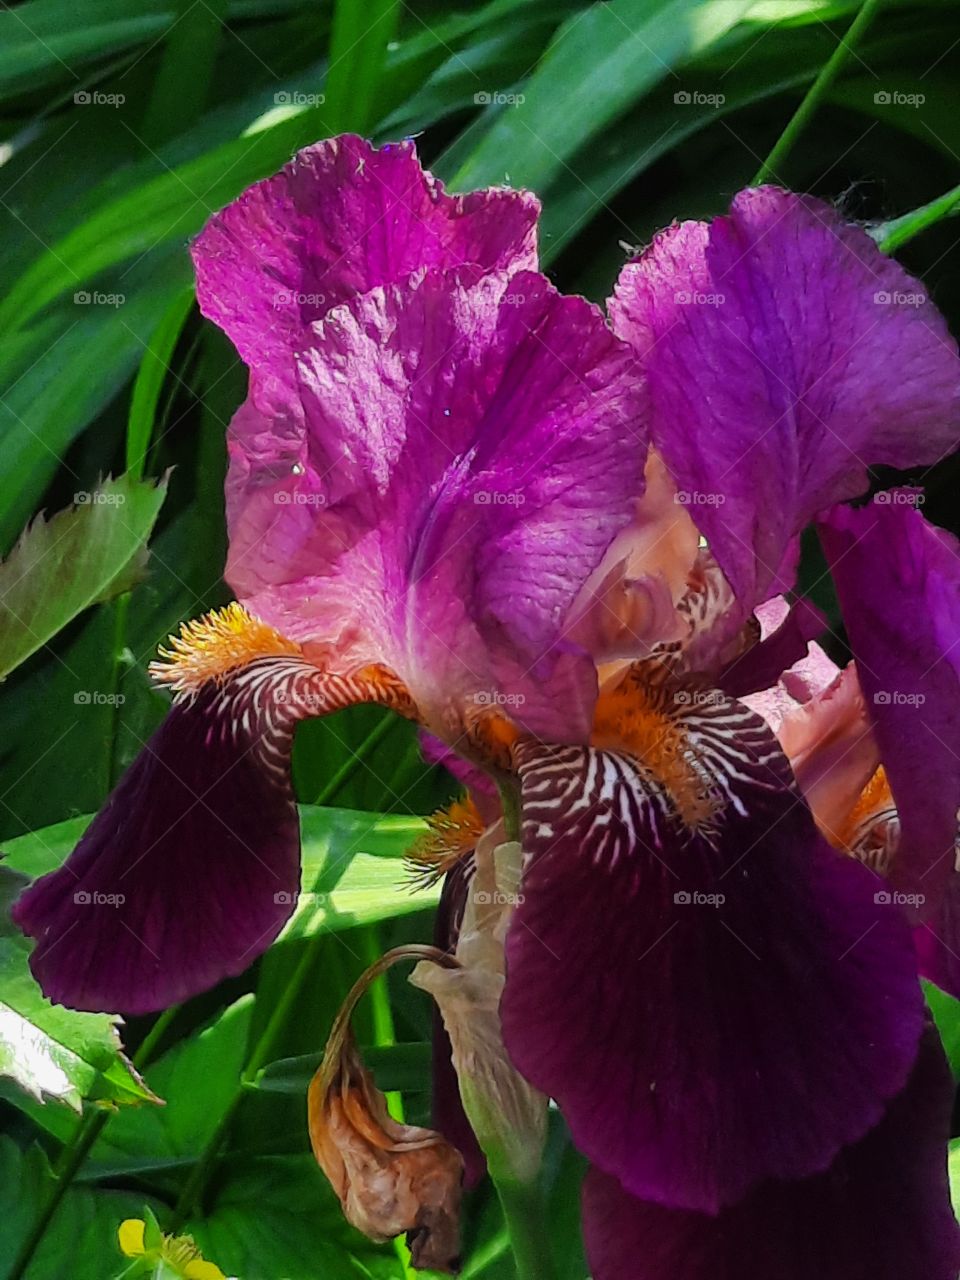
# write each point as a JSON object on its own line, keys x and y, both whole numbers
{"x": 525, "y": 1216}
{"x": 78, "y": 1148}
{"x": 901, "y": 230}
{"x": 510, "y": 803}
{"x": 803, "y": 114}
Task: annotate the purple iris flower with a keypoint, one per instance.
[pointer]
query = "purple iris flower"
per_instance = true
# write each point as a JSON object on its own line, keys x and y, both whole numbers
{"x": 441, "y": 499}
{"x": 436, "y": 450}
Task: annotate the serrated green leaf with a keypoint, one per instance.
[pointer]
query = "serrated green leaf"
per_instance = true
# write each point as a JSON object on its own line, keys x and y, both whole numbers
{"x": 63, "y": 565}
{"x": 56, "y": 1053}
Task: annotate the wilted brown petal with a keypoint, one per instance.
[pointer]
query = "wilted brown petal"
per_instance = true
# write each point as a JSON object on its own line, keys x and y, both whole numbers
{"x": 389, "y": 1177}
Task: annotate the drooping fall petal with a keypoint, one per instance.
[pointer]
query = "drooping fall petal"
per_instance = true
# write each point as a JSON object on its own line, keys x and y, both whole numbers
{"x": 880, "y": 1212}
{"x": 743, "y": 968}
{"x": 192, "y": 867}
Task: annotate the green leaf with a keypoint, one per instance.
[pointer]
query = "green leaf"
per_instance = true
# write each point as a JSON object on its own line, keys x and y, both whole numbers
{"x": 953, "y": 1171}
{"x": 197, "y": 1078}
{"x": 632, "y": 45}
{"x": 82, "y": 1243}
{"x": 277, "y": 1216}
{"x": 63, "y": 565}
{"x": 946, "y": 1014}
{"x": 396, "y": 1067}
{"x": 55, "y": 1053}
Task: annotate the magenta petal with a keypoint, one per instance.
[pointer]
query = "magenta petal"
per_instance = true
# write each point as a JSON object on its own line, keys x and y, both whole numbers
{"x": 341, "y": 217}
{"x": 470, "y": 449}
{"x": 898, "y": 581}
{"x": 784, "y": 644}
{"x": 191, "y": 868}
{"x": 745, "y": 1008}
{"x": 880, "y": 1212}
{"x": 767, "y": 338}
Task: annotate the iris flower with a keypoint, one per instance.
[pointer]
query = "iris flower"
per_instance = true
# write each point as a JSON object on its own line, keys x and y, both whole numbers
{"x": 560, "y": 546}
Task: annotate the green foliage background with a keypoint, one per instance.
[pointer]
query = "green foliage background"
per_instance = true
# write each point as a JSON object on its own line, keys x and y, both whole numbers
{"x": 123, "y": 125}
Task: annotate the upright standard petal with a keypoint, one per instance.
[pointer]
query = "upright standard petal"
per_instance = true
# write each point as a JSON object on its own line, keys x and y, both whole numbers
{"x": 766, "y": 337}
{"x": 880, "y": 1212}
{"x": 898, "y": 581}
{"x": 747, "y": 1008}
{"x": 471, "y": 447}
{"x": 192, "y": 867}
{"x": 341, "y": 217}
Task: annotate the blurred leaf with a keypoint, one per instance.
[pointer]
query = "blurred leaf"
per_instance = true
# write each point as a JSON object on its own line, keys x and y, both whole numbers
{"x": 63, "y": 565}
{"x": 400, "y": 1067}
{"x": 358, "y": 46}
{"x": 946, "y": 1014}
{"x": 172, "y": 206}
{"x": 632, "y": 45}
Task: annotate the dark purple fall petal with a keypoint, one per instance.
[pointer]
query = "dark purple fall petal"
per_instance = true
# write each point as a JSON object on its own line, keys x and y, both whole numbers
{"x": 880, "y": 1212}
{"x": 192, "y": 867}
{"x": 470, "y": 450}
{"x": 767, "y": 339}
{"x": 340, "y": 218}
{"x": 708, "y": 1011}
{"x": 898, "y": 582}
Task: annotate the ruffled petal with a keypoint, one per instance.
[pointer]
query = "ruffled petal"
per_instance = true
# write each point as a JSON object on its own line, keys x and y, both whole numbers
{"x": 898, "y": 581}
{"x": 766, "y": 337}
{"x": 192, "y": 867}
{"x": 880, "y": 1212}
{"x": 341, "y": 217}
{"x": 471, "y": 449}
{"x": 746, "y": 1007}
